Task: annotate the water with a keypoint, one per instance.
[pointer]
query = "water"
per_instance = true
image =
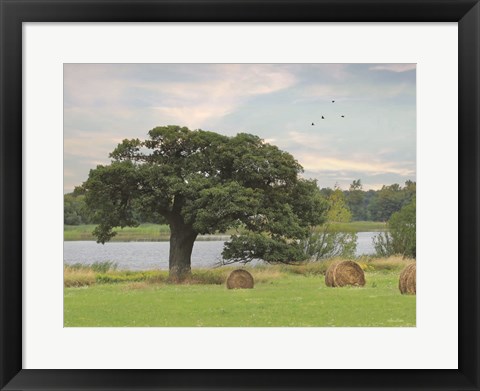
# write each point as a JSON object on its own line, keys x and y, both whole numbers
{"x": 154, "y": 255}
{"x": 365, "y": 244}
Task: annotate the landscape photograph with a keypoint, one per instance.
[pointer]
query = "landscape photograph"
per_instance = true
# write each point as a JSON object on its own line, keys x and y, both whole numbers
{"x": 239, "y": 195}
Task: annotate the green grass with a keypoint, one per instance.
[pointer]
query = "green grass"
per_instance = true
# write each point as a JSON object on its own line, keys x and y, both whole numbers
{"x": 159, "y": 232}
{"x": 144, "y": 232}
{"x": 283, "y": 296}
{"x": 360, "y": 226}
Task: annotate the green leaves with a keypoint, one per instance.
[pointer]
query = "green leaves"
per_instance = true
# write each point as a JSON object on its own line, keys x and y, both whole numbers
{"x": 127, "y": 150}
{"x": 255, "y": 163}
{"x": 401, "y": 238}
{"x": 222, "y": 206}
{"x": 338, "y": 211}
{"x": 74, "y": 209}
{"x": 254, "y": 246}
{"x": 110, "y": 192}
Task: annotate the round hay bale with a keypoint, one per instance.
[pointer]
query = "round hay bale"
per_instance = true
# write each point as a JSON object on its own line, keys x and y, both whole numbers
{"x": 407, "y": 283}
{"x": 240, "y": 279}
{"x": 344, "y": 273}
{"x": 329, "y": 274}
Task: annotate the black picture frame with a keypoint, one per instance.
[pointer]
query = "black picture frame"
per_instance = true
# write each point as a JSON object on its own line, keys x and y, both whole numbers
{"x": 15, "y": 12}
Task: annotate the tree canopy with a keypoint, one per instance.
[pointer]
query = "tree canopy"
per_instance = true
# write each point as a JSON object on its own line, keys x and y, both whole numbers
{"x": 203, "y": 182}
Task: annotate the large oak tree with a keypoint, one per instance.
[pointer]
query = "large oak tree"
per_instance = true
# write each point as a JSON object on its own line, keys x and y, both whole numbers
{"x": 202, "y": 182}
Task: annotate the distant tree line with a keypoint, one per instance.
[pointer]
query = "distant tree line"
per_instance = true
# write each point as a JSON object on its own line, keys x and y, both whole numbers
{"x": 376, "y": 205}
{"x": 75, "y": 211}
{"x": 364, "y": 205}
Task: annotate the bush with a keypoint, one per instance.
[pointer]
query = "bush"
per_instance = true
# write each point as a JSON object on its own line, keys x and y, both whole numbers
{"x": 326, "y": 244}
{"x": 401, "y": 238}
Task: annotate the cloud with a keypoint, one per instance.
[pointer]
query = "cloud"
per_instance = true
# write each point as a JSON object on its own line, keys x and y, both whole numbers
{"x": 85, "y": 147}
{"x": 322, "y": 157}
{"x": 308, "y": 140}
{"x": 394, "y": 67}
{"x": 208, "y": 93}
{"x": 68, "y": 173}
{"x": 312, "y": 162}
{"x": 193, "y": 116}
{"x": 352, "y": 92}
{"x": 91, "y": 85}
{"x": 198, "y": 103}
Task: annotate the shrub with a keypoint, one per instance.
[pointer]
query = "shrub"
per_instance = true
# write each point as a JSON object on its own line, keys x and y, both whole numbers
{"x": 325, "y": 244}
{"x": 401, "y": 238}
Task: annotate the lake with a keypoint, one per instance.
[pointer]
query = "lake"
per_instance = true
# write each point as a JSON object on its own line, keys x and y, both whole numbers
{"x": 154, "y": 255}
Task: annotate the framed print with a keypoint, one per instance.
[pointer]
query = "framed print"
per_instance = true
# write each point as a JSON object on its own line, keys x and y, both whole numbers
{"x": 57, "y": 58}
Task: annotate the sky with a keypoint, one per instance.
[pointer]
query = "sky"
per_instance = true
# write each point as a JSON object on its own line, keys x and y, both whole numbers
{"x": 375, "y": 141}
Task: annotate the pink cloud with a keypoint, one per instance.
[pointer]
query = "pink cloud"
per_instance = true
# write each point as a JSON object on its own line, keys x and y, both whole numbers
{"x": 394, "y": 67}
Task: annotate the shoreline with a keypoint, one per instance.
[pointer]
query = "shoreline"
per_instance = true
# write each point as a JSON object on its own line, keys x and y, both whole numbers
{"x": 161, "y": 233}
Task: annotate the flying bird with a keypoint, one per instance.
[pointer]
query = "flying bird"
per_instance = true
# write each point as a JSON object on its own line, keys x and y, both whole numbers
{"x": 333, "y": 101}
{"x": 313, "y": 124}
{"x": 343, "y": 116}
{"x": 323, "y": 117}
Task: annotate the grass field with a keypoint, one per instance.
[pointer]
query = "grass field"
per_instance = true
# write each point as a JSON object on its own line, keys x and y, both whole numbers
{"x": 144, "y": 232}
{"x": 360, "y": 226}
{"x": 158, "y": 232}
{"x": 283, "y": 296}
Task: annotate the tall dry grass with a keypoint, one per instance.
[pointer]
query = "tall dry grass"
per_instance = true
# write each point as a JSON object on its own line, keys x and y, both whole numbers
{"x": 81, "y": 275}
{"x": 77, "y": 277}
{"x": 392, "y": 263}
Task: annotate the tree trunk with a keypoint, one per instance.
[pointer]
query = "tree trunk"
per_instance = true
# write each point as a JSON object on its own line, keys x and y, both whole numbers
{"x": 182, "y": 238}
